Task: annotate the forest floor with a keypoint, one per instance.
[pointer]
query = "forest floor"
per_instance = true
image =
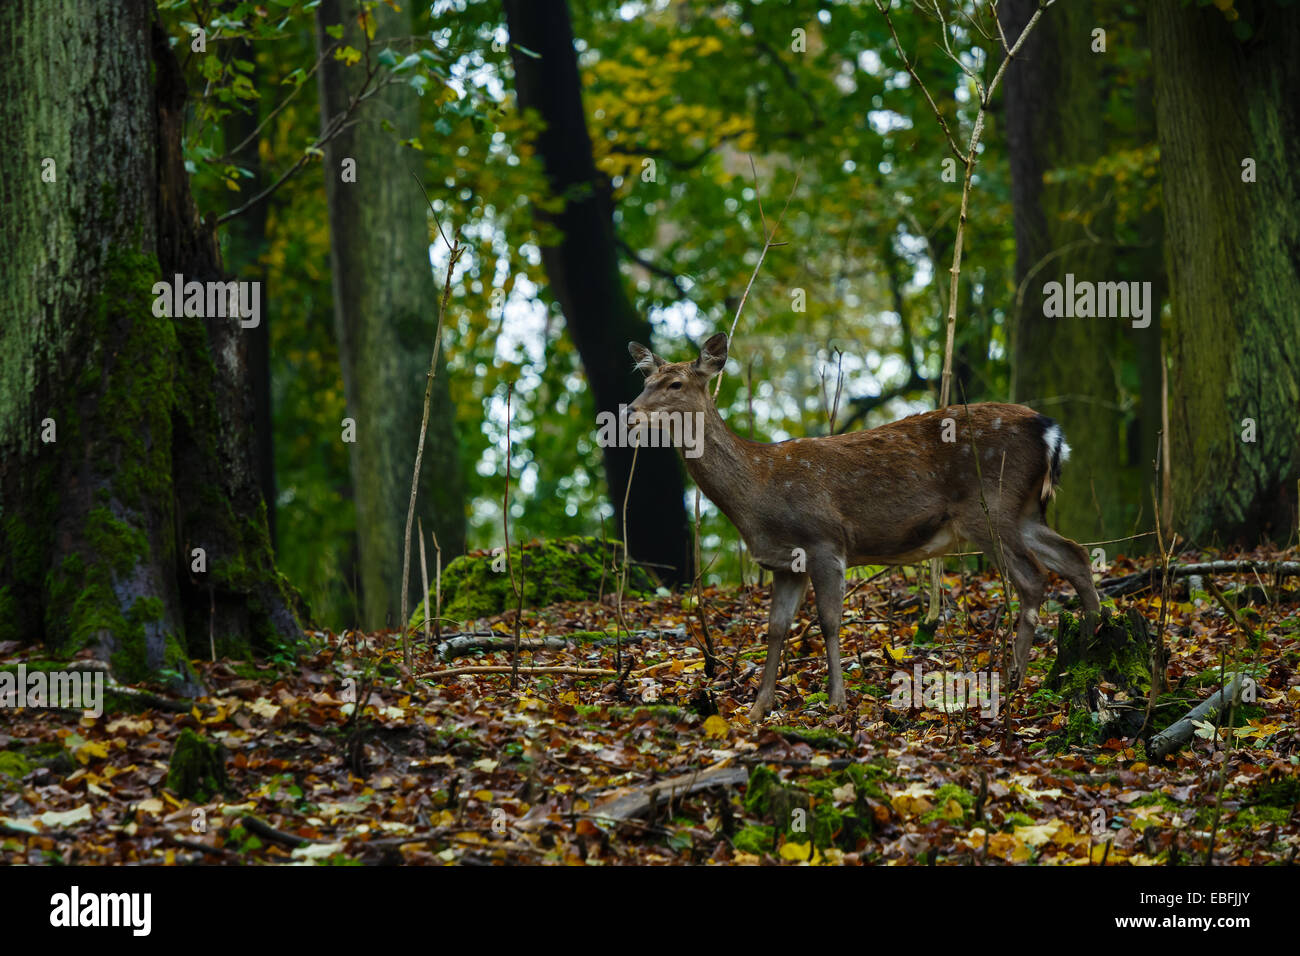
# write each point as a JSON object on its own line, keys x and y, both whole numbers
{"x": 662, "y": 765}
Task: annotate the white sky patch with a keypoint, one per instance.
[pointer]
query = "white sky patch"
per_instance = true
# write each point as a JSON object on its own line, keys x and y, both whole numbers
{"x": 887, "y": 121}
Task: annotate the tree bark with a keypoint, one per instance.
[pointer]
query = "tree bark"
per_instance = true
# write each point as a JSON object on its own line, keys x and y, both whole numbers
{"x": 585, "y": 280}
{"x": 385, "y": 309}
{"x": 242, "y": 246}
{"x": 1068, "y": 368}
{"x": 151, "y": 455}
{"x": 1234, "y": 264}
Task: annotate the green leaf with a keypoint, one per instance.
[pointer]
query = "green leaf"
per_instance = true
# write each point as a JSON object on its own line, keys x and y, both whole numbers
{"x": 387, "y": 57}
{"x": 336, "y": 31}
{"x": 526, "y": 52}
{"x": 1242, "y": 30}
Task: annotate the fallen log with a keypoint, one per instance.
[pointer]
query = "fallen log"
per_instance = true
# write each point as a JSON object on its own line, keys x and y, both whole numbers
{"x": 1128, "y": 583}
{"x": 507, "y": 669}
{"x": 625, "y": 806}
{"x": 1180, "y": 731}
{"x": 460, "y": 644}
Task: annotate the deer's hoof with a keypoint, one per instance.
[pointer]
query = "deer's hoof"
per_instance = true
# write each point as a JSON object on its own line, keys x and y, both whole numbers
{"x": 762, "y": 707}
{"x": 836, "y": 700}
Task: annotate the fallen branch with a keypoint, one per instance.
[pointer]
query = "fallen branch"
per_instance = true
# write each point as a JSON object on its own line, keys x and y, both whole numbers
{"x": 462, "y": 644}
{"x": 507, "y": 669}
{"x": 1180, "y": 732}
{"x": 1138, "y": 580}
{"x": 173, "y": 705}
{"x": 629, "y": 806}
{"x": 264, "y": 829}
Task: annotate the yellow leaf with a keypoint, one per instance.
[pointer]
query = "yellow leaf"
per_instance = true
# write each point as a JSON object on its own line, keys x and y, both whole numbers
{"x": 130, "y": 725}
{"x": 55, "y": 820}
{"x": 716, "y": 727}
{"x": 90, "y": 749}
{"x": 800, "y": 852}
{"x": 1038, "y": 835}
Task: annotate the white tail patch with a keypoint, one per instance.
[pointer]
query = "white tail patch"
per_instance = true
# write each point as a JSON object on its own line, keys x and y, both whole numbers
{"x": 1057, "y": 452}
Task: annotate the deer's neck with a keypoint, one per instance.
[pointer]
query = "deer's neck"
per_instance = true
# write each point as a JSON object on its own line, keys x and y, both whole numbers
{"x": 723, "y": 471}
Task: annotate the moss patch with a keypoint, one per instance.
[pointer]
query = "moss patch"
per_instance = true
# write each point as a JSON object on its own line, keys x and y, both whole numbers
{"x": 809, "y": 812}
{"x": 198, "y": 767}
{"x": 565, "y": 569}
{"x": 13, "y": 767}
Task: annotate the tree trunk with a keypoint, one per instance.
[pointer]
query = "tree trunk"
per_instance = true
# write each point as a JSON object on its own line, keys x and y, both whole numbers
{"x": 1234, "y": 265}
{"x": 1069, "y": 368}
{"x": 585, "y": 281}
{"x": 242, "y": 246}
{"x": 124, "y": 435}
{"x": 385, "y": 309}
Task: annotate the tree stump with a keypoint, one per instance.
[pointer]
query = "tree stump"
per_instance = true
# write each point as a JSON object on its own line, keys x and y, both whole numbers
{"x": 1103, "y": 670}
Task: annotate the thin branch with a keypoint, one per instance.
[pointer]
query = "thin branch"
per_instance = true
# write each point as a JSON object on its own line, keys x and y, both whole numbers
{"x": 898, "y": 46}
{"x": 456, "y": 251}
{"x": 767, "y": 244}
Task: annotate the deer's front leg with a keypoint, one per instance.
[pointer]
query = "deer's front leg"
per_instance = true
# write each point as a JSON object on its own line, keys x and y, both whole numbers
{"x": 787, "y": 594}
{"x": 828, "y": 584}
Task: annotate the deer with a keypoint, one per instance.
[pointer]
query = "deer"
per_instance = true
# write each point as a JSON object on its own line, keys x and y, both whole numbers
{"x": 809, "y": 509}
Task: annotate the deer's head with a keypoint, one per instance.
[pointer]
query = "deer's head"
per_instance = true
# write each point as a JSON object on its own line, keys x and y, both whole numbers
{"x": 677, "y": 386}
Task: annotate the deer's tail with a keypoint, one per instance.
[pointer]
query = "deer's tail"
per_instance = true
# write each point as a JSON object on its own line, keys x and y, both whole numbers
{"x": 1056, "y": 451}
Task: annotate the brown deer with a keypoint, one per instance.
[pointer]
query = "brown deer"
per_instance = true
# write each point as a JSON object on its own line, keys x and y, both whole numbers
{"x": 810, "y": 508}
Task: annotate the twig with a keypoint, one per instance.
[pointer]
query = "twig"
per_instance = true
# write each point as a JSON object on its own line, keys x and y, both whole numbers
{"x": 456, "y": 250}
{"x": 424, "y": 578}
{"x": 627, "y": 556}
{"x": 969, "y": 158}
{"x": 767, "y": 244}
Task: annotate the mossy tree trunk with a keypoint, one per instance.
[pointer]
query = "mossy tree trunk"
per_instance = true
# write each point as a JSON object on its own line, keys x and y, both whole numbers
{"x": 1234, "y": 265}
{"x": 1073, "y": 369}
{"x": 149, "y": 417}
{"x": 385, "y": 309}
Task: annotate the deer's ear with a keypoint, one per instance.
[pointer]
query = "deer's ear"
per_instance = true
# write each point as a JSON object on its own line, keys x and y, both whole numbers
{"x": 646, "y": 361}
{"x": 713, "y": 355}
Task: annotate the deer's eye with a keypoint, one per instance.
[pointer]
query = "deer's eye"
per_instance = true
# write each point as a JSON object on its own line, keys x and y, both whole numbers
{"x": 675, "y": 385}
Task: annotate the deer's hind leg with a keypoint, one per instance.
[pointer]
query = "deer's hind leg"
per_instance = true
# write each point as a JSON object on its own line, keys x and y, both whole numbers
{"x": 828, "y": 584}
{"x": 1065, "y": 557}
